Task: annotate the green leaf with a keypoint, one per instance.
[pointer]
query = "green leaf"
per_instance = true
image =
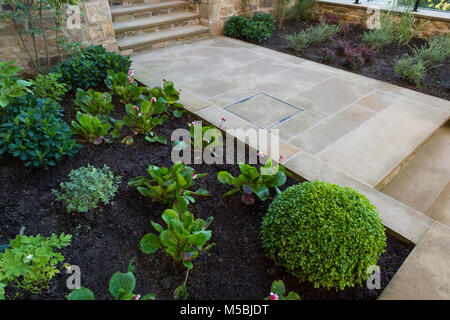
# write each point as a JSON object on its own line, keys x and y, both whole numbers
{"x": 198, "y": 239}
{"x": 122, "y": 281}
{"x": 278, "y": 288}
{"x": 224, "y": 177}
{"x": 81, "y": 293}
{"x": 150, "y": 243}
{"x": 168, "y": 238}
{"x": 292, "y": 296}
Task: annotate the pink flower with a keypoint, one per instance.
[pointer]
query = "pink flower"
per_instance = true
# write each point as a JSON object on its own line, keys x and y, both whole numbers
{"x": 163, "y": 80}
{"x": 223, "y": 119}
{"x": 273, "y": 296}
{"x": 134, "y": 132}
{"x": 206, "y": 140}
{"x": 191, "y": 124}
{"x": 180, "y": 90}
{"x": 260, "y": 154}
{"x": 130, "y": 72}
{"x": 136, "y": 107}
{"x": 137, "y": 297}
{"x": 153, "y": 99}
{"x": 104, "y": 97}
{"x": 282, "y": 158}
{"x": 194, "y": 176}
{"x": 139, "y": 114}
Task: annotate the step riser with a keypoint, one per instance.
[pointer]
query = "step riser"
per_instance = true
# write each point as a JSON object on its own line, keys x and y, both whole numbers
{"x": 131, "y": 2}
{"x": 149, "y": 14}
{"x": 145, "y": 47}
{"x": 150, "y": 29}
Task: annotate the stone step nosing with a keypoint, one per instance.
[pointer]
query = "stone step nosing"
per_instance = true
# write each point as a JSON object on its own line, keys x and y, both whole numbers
{"x": 177, "y": 34}
{"x": 122, "y": 11}
{"x": 148, "y": 23}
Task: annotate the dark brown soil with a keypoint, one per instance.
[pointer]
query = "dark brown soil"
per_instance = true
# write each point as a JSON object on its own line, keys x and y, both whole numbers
{"x": 106, "y": 239}
{"x": 436, "y": 83}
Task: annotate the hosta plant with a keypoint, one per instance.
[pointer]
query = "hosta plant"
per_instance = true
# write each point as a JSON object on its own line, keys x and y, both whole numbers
{"x": 31, "y": 261}
{"x": 49, "y": 86}
{"x": 32, "y": 129}
{"x": 278, "y": 292}
{"x": 10, "y": 86}
{"x": 121, "y": 287}
{"x": 124, "y": 86}
{"x": 251, "y": 182}
{"x": 93, "y": 102}
{"x": 168, "y": 184}
{"x": 88, "y": 186}
{"x": 91, "y": 128}
{"x": 143, "y": 120}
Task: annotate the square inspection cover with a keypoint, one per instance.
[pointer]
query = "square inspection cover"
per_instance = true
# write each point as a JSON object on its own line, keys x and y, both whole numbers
{"x": 263, "y": 110}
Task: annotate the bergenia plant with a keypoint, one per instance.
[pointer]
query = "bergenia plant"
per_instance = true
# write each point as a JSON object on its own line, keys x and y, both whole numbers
{"x": 278, "y": 291}
{"x": 168, "y": 94}
{"x": 251, "y": 182}
{"x": 143, "y": 119}
{"x": 121, "y": 287}
{"x": 124, "y": 86}
{"x": 93, "y": 102}
{"x": 168, "y": 184}
{"x": 204, "y": 137}
{"x": 92, "y": 128}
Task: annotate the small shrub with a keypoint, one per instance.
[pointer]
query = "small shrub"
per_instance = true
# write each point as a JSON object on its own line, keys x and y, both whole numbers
{"x": 297, "y": 41}
{"x": 435, "y": 52}
{"x": 32, "y": 129}
{"x": 324, "y": 233}
{"x": 124, "y": 86}
{"x": 91, "y": 128}
{"x": 234, "y": 27}
{"x": 93, "y": 102}
{"x": 167, "y": 94}
{"x": 355, "y": 57}
{"x": 313, "y": 34}
{"x": 301, "y": 10}
{"x": 87, "y": 187}
{"x": 251, "y": 182}
{"x": 401, "y": 25}
{"x": 10, "y": 86}
{"x": 377, "y": 38}
{"x": 30, "y": 262}
{"x": 48, "y": 86}
{"x": 410, "y": 69}
{"x": 88, "y": 68}
{"x": 168, "y": 184}
{"x": 203, "y": 137}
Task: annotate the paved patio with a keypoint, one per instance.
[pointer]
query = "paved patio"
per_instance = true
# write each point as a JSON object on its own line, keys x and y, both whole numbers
{"x": 334, "y": 125}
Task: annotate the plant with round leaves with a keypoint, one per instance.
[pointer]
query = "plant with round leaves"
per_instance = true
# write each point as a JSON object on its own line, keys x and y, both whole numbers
{"x": 251, "y": 182}
{"x": 93, "y": 102}
{"x": 32, "y": 129}
{"x": 168, "y": 184}
{"x": 203, "y": 137}
{"x": 323, "y": 233}
{"x": 91, "y": 128}
{"x": 121, "y": 287}
{"x": 124, "y": 86}
{"x": 278, "y": 292}
{"x": 169, "y": 95}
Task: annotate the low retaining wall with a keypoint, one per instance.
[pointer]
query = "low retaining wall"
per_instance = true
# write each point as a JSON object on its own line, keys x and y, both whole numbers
{"x": 93, "y": 25}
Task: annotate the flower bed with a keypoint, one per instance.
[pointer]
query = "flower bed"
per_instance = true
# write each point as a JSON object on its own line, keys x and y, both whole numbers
{"x": 105, "y": 239}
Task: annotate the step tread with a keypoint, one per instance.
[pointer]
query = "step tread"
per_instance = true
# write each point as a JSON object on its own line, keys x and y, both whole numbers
{"x": 120, "y": 10}
{"x": 160, "y": 36}
{"x": 153, "y": 21}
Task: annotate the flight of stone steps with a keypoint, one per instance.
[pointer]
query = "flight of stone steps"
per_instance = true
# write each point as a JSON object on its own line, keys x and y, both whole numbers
{"x": 143, "y": 26}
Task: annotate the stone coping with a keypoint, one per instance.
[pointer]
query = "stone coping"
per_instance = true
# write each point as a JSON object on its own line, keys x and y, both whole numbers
{"x": 439, "y": 15}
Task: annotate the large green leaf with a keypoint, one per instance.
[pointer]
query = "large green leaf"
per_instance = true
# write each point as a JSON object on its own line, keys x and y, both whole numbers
{"x": 168, "y": 238}
{"x": 150, "y": 243}
{"x": 122, "y": 281}
{"x": 81, "y": 293}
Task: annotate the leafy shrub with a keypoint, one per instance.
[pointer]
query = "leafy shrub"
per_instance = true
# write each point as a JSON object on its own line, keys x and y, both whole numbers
{"x": 48, "y": 86}
{"x": 278, "y": 292}
{"x": 184, "y": 238}
{"x": 10, "y": 86}
{"x": 121, "y": 287}
{"x": 204, "y": 137}
{"x": 301, "y": 10}
{"x": 436, "y": 51}
{"x": 234, "y": 27}
{"x": 91, "y": 128}
{"x": 87, "y": 187}
{"x": 312, "y": 34}
{"x": 31, "y": 261}
{"x": 168, "y": 95}
{"x": 355, "y": 57}
{"x": 324, "y": 233}
{"x": 124, "y": 86}
{"x": 89, "y": 67}
{"x": 377, "y": 38}
{"x": 258, "y": 31}
{"x": 251, "y": 182}
{"x": 168, "y": 184}
{"x": 401, "y": 25}
{"x": 93, "y": 102}
{"x": 411, "y": 69}
{"x": 33, "y": 130}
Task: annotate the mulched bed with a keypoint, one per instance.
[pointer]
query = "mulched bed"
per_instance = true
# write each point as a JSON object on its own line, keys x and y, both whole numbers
{"x": 436, "y": 83}
{"x": 105, "y": 240}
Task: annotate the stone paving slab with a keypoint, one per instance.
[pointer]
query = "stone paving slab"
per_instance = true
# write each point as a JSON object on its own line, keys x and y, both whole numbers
{"x": 440, "y": 208}
{"x": 425, "y": 274}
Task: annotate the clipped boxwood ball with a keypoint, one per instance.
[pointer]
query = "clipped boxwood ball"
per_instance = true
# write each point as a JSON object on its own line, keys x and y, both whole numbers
{"x": 323, "y": 233}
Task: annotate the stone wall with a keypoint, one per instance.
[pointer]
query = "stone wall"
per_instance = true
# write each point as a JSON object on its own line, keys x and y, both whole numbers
{"x": 348, "y": 13}
{"x": 93, "y": 25}
{"x": 214, "y": 13}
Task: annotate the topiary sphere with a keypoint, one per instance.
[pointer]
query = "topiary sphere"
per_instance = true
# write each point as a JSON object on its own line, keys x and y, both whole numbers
{"x": 323, "y": 233}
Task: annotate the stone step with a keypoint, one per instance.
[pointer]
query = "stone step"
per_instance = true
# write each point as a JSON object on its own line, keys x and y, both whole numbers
{"x": 162, "y": 38}
{"x": 124, "y": 13}
{"x": 377, "y": 150}
{"x": 139, "y": 26}
{"x": 422, "y": 182}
